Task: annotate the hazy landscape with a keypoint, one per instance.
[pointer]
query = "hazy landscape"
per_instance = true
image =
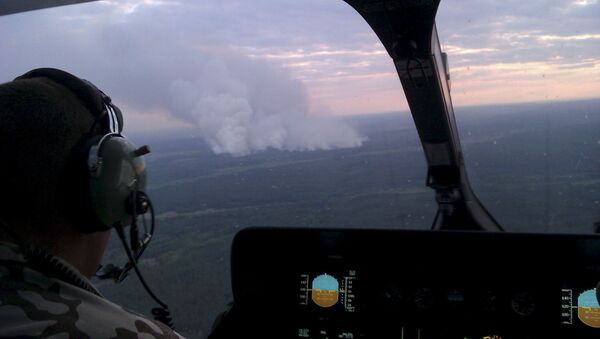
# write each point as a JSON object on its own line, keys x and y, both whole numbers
{"x": 536, "y": 167}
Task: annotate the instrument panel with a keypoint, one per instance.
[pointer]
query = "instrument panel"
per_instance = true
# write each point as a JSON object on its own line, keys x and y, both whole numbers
{"x": 333, "y": 283}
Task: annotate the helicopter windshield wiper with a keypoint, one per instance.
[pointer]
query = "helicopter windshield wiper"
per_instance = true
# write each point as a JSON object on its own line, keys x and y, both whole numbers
{"x": 407, "y": 30}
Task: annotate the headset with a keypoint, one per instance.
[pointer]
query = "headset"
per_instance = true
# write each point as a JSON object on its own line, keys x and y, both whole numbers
{"x": 105, "y": 180}
{"x": 105, "y": 171}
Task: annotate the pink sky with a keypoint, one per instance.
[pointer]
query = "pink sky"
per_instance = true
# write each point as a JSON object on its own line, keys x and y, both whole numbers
{"x": 499, "y": 52}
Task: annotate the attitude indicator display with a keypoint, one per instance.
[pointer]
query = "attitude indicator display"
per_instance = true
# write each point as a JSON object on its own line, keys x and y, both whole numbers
{"x": 328, "y": 291}
{"x": 580, "y": 306}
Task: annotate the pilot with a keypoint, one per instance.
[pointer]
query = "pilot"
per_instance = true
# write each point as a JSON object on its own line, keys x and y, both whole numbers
{"x": 56, "y": 214}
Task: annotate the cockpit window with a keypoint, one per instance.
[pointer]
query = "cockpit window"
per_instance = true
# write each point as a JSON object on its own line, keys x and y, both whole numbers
{"x": 290, "y": 113}
{"x": 533, "y": 150}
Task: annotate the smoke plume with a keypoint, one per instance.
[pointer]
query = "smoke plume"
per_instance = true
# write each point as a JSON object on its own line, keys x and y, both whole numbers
{"x": 151, "y": 64}
{"x": 243, "y": 106}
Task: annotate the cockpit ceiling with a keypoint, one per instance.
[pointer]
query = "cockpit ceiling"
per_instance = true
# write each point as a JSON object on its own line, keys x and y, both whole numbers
{"x": 18, "y": 6}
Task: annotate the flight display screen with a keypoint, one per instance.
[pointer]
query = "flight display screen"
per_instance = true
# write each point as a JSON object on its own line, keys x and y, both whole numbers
{"x": 412, "y": 284}
{"x": 327, "y": 290}
{"x": 579, "y": 306}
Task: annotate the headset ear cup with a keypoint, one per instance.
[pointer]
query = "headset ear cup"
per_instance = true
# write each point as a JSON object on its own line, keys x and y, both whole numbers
{"x": 76, "y": 182}
{"x": 116, "y": 173}
{"x": 102, "y": 171}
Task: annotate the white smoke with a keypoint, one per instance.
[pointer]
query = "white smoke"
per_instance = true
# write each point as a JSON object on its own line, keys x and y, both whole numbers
{"x": 243, "y": 106}
{"x": 240, "y": 105}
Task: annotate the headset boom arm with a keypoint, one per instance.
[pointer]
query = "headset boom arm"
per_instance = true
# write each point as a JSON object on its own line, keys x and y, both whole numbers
{"x": 407, "y": 30}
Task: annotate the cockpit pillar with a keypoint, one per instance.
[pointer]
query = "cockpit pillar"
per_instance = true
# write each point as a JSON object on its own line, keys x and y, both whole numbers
{"x": 407, "y": 30}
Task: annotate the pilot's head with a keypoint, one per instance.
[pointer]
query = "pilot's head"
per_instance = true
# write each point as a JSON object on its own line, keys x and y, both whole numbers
{"x": 66, "y": 172}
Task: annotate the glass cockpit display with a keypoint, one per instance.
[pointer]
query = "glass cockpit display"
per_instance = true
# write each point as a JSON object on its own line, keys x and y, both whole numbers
{"x": 580, "y": 306}
{"x": 326, "y": 290}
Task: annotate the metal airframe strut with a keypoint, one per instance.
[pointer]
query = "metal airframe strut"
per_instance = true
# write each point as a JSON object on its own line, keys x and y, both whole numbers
{"x": 407, "y": 30}
{"x": 18, "y": 6}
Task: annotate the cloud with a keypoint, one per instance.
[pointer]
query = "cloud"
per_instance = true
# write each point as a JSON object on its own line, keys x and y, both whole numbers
{"x": 570, "y": 37}
{"x": 146, "y": 45}
{"x": 456, "y": 50}
{"x": 584, "y": 2}
{"x": 323, "y": 52}
{"x": 538, "y": 80}
{"x": 515, "y": 50}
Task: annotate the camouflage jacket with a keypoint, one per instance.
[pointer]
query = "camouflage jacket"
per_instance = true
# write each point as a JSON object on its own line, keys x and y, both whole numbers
{"x": 37, "y": 306}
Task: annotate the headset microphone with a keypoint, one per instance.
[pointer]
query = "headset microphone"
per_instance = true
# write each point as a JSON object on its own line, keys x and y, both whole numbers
{"x": 139, "y": 204}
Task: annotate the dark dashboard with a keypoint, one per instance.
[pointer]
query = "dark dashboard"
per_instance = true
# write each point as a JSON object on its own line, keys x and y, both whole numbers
{"x": 332, "y": 283}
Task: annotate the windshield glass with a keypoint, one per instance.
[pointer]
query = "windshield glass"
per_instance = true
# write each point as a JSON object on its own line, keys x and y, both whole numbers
{"x": 533, "y": 151}
{"x": 290, "y": 113}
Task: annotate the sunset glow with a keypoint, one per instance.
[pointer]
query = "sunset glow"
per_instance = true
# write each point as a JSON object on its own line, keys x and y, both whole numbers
{"x": 498, "y": 52}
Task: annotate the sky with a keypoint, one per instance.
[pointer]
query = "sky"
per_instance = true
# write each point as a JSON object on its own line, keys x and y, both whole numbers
{"x": 169, "y": 62}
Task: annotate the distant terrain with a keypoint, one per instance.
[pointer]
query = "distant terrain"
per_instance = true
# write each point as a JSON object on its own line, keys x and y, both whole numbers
{"x": 536, "y": 167}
